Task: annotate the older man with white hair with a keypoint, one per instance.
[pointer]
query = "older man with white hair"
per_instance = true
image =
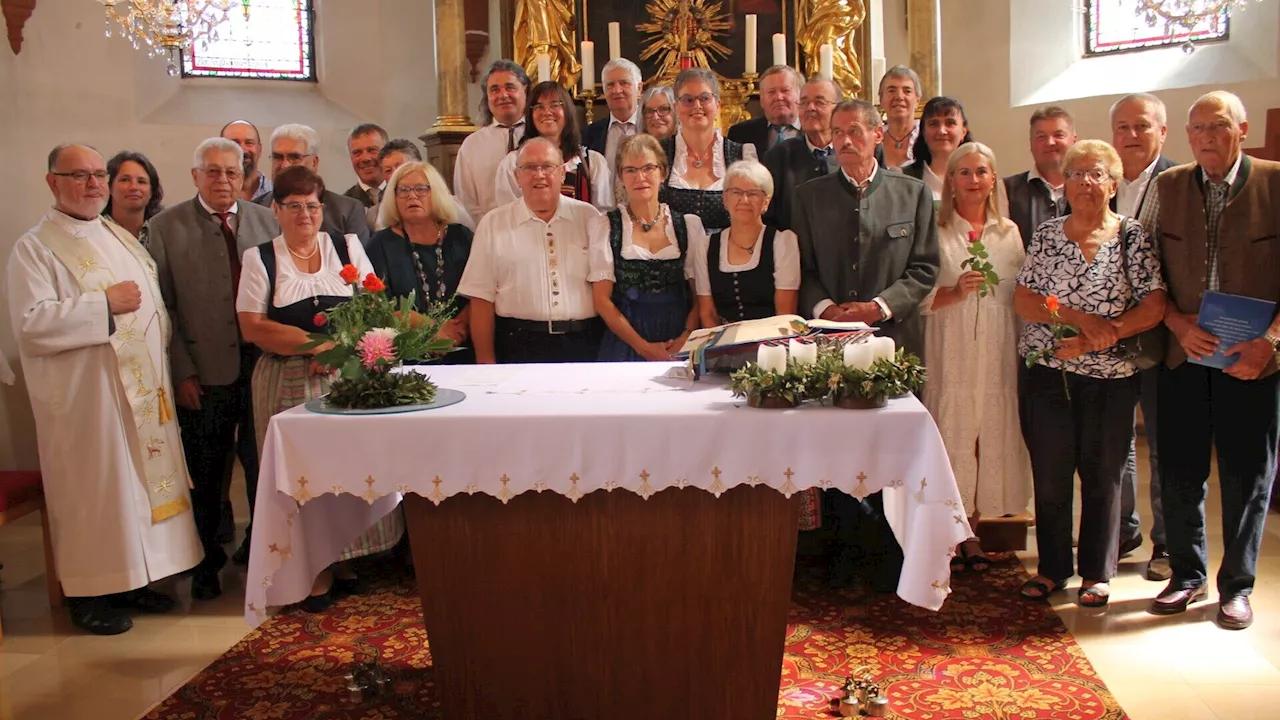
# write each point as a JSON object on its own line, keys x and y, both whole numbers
{"x": 300, "y": 145}
{"x": 1216, "y": 222}
{"x": 622, "y": 87}
{"x": 527, "y": 273}
{"x": 92, "y": 332}
{"x": 780, "y": 99}
{"x": 197, "y": 247}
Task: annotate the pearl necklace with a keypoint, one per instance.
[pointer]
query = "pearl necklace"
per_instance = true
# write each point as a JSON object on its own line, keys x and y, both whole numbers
{"x": 315, "y": 248}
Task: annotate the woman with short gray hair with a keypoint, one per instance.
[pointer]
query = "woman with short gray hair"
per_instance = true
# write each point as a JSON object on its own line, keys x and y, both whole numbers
{"x": 657, "y": 112}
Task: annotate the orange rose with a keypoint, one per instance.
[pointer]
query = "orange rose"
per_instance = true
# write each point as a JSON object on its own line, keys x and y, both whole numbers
{"x": 373, "y": 284}
{"x": 349, "y": 274}
{"x": 1051, "y": 303}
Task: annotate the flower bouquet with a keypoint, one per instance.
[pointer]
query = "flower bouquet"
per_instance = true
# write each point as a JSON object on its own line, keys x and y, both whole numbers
{"x": 372, "y": 334}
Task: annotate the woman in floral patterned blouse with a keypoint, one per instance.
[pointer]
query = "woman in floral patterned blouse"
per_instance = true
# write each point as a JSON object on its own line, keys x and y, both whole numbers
{"x": 1102, "y": 273}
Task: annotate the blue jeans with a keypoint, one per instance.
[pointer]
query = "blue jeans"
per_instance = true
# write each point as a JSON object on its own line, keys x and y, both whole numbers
{"x": 1130, "y": 524}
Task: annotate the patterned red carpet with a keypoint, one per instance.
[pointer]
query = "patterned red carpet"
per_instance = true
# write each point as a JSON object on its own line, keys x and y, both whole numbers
{"x": 985, "y": 655}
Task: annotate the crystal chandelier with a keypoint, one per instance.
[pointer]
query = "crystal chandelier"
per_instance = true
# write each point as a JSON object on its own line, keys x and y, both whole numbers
{"x": 170, "y": 26}
{"x": 1185, "y": 16}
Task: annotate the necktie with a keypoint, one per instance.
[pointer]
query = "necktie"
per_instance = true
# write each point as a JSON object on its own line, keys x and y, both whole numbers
{"x": 229, "y": 236}
{"x": 373, "y": 194}
{"x": 511, "y": 136}
{"x": 821, "y": 154}
{"x": 781, "y": 133}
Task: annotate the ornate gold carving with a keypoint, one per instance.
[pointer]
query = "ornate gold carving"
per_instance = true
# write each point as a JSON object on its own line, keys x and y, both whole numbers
{"x": 684, "y": 30}
{"x": 831, "y": 22}
{"x": 734, "y": 96}
{"x": 547, "y": 27}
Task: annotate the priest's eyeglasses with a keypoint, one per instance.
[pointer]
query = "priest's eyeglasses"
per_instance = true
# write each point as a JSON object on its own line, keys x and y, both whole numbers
{"x": 82, "y": 176}
{"x": 632, "y": 170}
{"x": 298, "y": 208}
{"x": 405, "y": 191}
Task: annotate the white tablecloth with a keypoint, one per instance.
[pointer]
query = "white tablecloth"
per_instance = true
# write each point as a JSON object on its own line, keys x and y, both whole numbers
{"x": 574, "y": 429}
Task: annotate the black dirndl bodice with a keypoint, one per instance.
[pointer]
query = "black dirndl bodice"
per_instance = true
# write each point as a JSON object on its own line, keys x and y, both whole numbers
{"x": 653, "y": 295}
{"x": 746, "y": 295}
{"x": 300, "y": 314}
{"x": 708, "y": 205}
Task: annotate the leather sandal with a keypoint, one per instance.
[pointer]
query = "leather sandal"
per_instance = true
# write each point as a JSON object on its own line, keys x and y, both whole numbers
{"x": 1095, "y": 596}
{"x": 1037, "y": 590}
{"x": 975, "y": 560}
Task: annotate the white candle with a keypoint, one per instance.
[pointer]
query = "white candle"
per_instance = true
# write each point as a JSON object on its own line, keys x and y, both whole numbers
{"x": 804, "y": 353}
{"x": 749, "y": 56}
{"x": 779, "y": 49}
{"x": 772, "y": 357}
{"x": 858, "y": 355}
{"x": 544, "y": 67}
{"x": 615, "y": 40}
{"x": 883, "y": 348}
{"x": 825, "y": 62}
{"x": 588, "y": 66}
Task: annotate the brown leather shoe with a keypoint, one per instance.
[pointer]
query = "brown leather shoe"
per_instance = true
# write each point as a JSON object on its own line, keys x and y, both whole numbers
{"x": 1175, "y": 600}
{"x": 1235, "y": 613}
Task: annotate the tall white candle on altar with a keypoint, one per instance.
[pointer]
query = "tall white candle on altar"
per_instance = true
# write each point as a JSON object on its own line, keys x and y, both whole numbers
{"x": 858, "y": 355}
{"x": 544, "y": 67}
{"x": 772, "y": 357}
{"x": 825, "y": 62}
{"x": 779, "y": 49}
{"x": 749, "y": 56}
{"x": 883, "y": 348}
{"x": 615, "y": 40}
{"x": 804, "y": 353}
{"x": 588, "y": 66}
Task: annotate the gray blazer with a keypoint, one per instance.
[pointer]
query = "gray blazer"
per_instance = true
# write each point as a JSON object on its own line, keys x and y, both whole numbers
{"x": 195, "y": 280}
{"x": 342, "y": 215}
{"x": 892, "y": 255}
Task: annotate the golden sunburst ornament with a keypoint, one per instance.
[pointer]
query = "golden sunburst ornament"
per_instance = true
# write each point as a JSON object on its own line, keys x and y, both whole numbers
{"x": 683, "y": 34}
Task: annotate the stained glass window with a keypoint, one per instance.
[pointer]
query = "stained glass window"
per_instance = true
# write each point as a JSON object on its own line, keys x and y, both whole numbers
{"x": 1120, "y": 25}
{"x": 275, "y": 42}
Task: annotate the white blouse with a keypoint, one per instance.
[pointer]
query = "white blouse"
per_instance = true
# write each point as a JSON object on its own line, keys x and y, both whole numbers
{"x": 680, "y": 165}
{"x": 506, "y": 190}
{"x": 600, "y": 252}
{"x": 293, "y": 285}
{"x": 786, "y": 260}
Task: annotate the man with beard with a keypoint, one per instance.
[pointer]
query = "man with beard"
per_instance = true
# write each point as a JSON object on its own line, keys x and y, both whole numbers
{"x": 779, "y": 95}
{"x": 506, "y": 88}
{"x": 363, "y": 145}
{"x": 622, "y": 87}
{"x": 801, "y": 159}
{"x": 92, "y": 332}
{"x": 1039, "y": 194}
{"x": 245, "y": 134}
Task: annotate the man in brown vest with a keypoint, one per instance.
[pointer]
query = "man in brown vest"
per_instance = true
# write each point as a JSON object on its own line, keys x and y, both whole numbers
{"x": 1217, "y": 225}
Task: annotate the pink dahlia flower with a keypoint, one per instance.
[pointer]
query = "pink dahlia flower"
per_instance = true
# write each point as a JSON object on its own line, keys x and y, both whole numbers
{"x": 376, "y": 346}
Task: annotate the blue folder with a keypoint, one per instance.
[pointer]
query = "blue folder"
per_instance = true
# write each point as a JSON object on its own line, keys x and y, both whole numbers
{"x": 1232, "y": 319}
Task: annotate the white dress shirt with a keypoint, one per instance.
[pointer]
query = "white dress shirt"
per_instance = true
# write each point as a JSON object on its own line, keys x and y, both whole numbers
{"x": 600, "y": 254}
{"x": 680, "y": 165}
{"x": 505, "y": 189}
{"x": 475, "y": 167}
{"x": 1056, "y": 193}
{"x": 786, "y": 260}
{"x": 1130, "y": 191}
{"x": 233, "y": 218}
{"x": 530, "y": 269}
{"x": 617, "y": 130}
{"x": 822, "y": 305}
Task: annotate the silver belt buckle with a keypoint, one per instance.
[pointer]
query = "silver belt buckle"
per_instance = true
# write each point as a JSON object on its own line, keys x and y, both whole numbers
{"x": 551, "y": 324}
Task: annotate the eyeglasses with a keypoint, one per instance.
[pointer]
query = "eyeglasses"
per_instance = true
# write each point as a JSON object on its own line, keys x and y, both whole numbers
{"x": 405, "y": 191}
{"x": 82, "y": 176}
{"x": 297, "y": 208}
{"x": 215, "y": 173}
{"x": 291, "y": 158}
{"x": 663, "y": 111}
{"x": 536, "y": 170}
{"x": 819, "y": 103}
{"x": 1093, "y": 175}
{"x": 632, "y": 170}
{"x": 551, "y": 107}
{"x": 734, "y": 195}
{"x": 705, "y": 99}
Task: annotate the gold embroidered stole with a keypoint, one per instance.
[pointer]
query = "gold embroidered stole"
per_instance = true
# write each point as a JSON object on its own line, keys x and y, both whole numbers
{"x": 164, "y": 470}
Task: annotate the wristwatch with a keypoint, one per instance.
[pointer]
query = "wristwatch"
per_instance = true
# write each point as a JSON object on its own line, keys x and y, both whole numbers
{"x": 1275, "y": 343}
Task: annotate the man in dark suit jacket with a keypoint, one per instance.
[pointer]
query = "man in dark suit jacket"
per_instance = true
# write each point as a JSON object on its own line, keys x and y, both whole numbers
{"x": 1138, "y": 130}
{"x": 868, "y": 253}
{"x": 622, "y": 87}
{"x": 197, "y": 246}
{"x": 779, "y": 96}
{"x": 799, "y": 160}
{"x": 300, "y": 145}
{"x": 1039, "y": 194}
{"x": 364, "y": 143}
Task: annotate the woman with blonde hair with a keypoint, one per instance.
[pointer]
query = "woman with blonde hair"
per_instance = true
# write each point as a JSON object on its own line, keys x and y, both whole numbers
{"x": 971, "y": 347}
{"x": 423, "y": 247}
{"x": 1100, "y": 274}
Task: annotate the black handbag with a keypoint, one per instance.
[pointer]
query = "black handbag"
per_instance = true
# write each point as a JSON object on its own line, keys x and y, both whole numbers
{"x": 1146, "y": 349}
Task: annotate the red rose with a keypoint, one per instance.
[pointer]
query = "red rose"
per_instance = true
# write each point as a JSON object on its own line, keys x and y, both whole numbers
{"x": 320, "y": 320}
{"x": 974, "y": 235}
{"x": 349, "y": 274}
{"x": 1051, "y": 303}
{"x": 373, "y": 284}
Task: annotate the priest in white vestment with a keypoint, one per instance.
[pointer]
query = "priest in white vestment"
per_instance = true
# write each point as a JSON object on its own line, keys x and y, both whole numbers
{"x": 92, "y": 333}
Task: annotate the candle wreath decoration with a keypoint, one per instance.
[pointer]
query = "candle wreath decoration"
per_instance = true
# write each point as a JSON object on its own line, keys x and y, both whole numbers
{"x": 861, "y": 374}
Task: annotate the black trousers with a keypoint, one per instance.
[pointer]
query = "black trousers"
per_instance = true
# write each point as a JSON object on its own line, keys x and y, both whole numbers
{"x": 212, "y": 438}
{"x": 1201, "y": 410}
{"x": 1089, "y": 433}
{"x": 863, "y": 535}
{"x": 514, "y": 343}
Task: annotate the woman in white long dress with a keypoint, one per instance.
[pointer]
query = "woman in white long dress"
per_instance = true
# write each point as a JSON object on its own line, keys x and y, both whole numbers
{"x": 971, "y": 348}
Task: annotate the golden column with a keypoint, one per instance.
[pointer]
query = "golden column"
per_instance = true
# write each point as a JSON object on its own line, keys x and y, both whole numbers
{"x": 924, "y": 43}
{"x": 453, "y": 123}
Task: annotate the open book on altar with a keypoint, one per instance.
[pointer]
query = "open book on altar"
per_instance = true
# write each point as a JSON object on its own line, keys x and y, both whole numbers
{"x": 748, "y": 334}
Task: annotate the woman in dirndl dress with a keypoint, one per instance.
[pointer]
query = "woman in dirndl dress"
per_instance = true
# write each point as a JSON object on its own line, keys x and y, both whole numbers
{"x": 284, "y": 284}
{"x": 639, "y": 263}
{"x": 698, "y": 154}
